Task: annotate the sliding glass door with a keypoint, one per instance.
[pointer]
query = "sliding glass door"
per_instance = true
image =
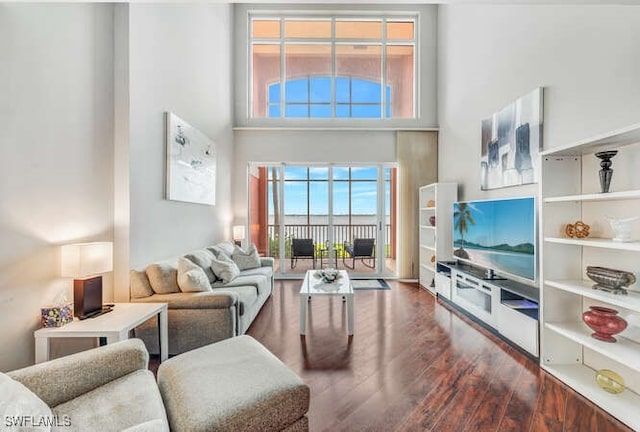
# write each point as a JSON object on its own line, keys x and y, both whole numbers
{"x": 324, "y": 216}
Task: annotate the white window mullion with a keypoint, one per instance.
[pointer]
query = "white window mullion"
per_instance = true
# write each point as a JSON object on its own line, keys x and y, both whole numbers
{"x": 333, "y": 68}
{"x": 282, "y": 70}
{"x": 383, "y": 75}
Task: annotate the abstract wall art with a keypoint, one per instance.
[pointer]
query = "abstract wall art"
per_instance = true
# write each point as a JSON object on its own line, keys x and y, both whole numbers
{"x": 191, "y": 163}
{"x": 511, "y": 141}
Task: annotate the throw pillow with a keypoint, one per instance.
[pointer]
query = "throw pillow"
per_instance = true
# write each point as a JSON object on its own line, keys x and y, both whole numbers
{"x": 203, "y": 259}
{"x": 139, "y": 284}
{"x": 224, "y": 268}
{"x": 246, "y": 259}
{"x": 163, "y": 278}
{"x": 223, "y": 248}
{"x": 191, "y": 277}
{"x": 16, "y": 401}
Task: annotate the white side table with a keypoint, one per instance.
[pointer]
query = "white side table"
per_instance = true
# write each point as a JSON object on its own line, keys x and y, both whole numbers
{"x": 114, "y": 326}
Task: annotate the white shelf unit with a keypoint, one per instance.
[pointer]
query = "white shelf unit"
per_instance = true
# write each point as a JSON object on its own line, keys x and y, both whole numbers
{"x": 435, "y": 200}
{"x": 570, "y": 191}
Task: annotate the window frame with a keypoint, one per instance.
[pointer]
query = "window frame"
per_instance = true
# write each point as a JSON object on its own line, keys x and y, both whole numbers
{"x": 334, "y": 17}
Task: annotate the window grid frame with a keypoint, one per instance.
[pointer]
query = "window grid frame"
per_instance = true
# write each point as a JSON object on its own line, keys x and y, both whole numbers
{"x": 383, "y": 42}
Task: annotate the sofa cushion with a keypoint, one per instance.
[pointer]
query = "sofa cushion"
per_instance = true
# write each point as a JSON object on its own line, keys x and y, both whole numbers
{"x": 203, "y": 259}
{"x": 256, "y": 281}
{"x": 246, "y": 295}
{"x": 232, "y": 385}
{"x": 246, "y": 259}
{"x": 139, "y": 284}
{"x": 163, "y": 278}
{"x": 126, "y": 402}
{"x": 16, "y": 400}
{"x": 224, "y": 268}
{"x": 191, "y": 277}
{"x": 263, "y": 271}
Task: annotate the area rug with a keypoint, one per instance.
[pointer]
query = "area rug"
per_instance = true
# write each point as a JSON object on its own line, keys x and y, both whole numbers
{"x": 369, "y": 284}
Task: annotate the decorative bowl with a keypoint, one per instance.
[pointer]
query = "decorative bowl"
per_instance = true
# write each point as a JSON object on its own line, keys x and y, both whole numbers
{"x": 610, "y": 279}
{"x": 327, "y": 275}
{"x": 610, "y": 381}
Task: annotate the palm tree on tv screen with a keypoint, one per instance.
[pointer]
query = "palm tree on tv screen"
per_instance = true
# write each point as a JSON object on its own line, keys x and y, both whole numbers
{"x": 463, "y": 218}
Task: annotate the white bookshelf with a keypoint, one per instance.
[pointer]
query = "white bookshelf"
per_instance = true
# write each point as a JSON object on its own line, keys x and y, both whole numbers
{"x": 435, "y": 241}
{"x": 570, "y": 191}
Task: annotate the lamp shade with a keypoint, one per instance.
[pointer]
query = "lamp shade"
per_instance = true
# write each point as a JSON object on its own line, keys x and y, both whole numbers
{"x": 238, "y": 232}
{"x": 86, "y": 259}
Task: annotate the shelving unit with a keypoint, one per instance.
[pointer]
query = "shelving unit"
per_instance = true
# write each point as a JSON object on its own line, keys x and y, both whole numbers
{"x": 569, "y": 191}
{"x": 435, "y": 200}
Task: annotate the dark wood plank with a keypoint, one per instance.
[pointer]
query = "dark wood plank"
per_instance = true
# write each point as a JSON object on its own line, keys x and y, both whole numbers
{"x": 519, "y": 413}
{"x": 580, "y": 415}
{"x": 550, "y": 411}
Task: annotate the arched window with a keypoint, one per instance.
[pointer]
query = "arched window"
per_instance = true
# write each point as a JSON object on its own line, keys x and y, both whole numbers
{"x": 311, "y": 97}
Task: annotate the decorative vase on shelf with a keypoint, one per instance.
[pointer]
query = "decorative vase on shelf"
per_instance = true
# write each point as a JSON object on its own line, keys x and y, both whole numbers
{"x": 605, "y": 322}
{"x": 610, "y": 280}
{"x": 610, "y": 381}
{"x": 606, "y": 172}
{"x": 622, "y": 228}
{"x": 432, "y": 220}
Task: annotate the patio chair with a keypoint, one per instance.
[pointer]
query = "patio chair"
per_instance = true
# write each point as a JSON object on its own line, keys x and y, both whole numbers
{"x": 362, "y": 249}
{"x": 302, "y": 248}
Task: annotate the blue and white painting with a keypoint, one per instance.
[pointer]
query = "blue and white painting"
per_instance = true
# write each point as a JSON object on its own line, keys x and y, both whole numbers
{"x": 191, "y": 163}
{"x": 511, "y": 141}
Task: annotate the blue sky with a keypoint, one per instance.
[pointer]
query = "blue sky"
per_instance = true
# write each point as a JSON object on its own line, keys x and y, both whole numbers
{"x": 363, "y": 193}
{"x": 508, "y": 221}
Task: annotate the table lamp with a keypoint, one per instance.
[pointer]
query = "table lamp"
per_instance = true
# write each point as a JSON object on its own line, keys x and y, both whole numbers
{"x": 238, "y": 234}
{"x": 84, "y": 262}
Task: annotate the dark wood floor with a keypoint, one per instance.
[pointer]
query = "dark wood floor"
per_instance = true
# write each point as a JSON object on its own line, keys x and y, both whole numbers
{"x": 414, "y": 365}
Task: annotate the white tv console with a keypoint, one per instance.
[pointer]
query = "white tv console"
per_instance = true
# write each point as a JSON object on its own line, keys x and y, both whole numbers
{"x": 507, "y": 307}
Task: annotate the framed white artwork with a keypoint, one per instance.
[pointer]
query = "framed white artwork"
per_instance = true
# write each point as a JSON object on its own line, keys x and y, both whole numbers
{"x": 511, "y": 142}
{"x": 191, "y": 163}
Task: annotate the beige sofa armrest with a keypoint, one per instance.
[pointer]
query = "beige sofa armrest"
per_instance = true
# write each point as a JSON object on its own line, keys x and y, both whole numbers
{"x": 193, "y": 300}
{"x": 65, "y": 378}
{"x": 267, "y": 261}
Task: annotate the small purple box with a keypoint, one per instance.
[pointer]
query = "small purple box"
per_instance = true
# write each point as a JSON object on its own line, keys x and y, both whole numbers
{"x": 56, "y": 316}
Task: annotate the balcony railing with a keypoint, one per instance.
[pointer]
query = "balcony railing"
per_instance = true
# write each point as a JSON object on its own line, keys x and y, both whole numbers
{"x": 320, "y": 236}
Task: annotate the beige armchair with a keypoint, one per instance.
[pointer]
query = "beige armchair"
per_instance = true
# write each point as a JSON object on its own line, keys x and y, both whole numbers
{"x": 107, "y": 389}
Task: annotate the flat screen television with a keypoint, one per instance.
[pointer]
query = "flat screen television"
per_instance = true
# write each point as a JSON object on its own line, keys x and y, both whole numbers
{"x": 497, "y": 235}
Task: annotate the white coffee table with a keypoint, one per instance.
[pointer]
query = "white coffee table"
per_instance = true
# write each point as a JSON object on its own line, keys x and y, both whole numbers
{"x": 114, "y": 326}
{"x": 312, "y": 286}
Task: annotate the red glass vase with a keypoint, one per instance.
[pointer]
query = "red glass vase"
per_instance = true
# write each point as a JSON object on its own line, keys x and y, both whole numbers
{"x": 605, "y": 322}
{"x": 432, "y": 220}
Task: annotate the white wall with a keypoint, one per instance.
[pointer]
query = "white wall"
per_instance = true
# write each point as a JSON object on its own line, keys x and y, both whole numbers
{"x": 180, "y": 61}
{"x": 56, "y": 158}
{"x": 586, "y": 57}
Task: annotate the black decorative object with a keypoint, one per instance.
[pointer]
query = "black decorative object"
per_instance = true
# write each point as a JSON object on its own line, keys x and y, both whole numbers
{"x": 610, "y": 280}
{"x": 606, "y": 172}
